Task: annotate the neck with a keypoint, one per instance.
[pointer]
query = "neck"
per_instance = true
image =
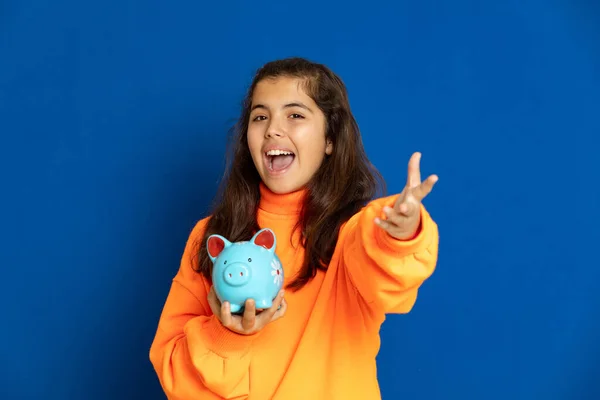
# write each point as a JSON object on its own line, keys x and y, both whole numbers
{"x": 282, "y": 204}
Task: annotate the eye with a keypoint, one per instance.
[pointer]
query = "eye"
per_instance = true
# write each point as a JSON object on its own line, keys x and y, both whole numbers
{"x": 225, "y": 262}
{"x": 296, "y": 116}
{"x": 249, "y": 260}
{"x": 259, "y": 118}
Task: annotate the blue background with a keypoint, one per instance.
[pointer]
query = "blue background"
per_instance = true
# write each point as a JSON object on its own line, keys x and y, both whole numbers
{"x": 113, "y": 120}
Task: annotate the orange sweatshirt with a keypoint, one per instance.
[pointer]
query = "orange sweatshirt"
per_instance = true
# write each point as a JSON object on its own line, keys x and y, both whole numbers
{"x": 325, "y": 345}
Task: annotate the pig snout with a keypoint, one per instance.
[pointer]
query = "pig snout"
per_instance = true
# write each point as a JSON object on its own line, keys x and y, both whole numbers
{"x": 236, "y": 274}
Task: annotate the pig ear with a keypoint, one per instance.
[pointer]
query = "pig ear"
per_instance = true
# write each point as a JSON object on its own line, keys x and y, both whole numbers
{"x": 215, "y": 245}
{"x": 265, "y": 238}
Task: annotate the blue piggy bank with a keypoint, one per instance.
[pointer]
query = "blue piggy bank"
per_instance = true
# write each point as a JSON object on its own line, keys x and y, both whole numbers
{"x": 246, "y": 270}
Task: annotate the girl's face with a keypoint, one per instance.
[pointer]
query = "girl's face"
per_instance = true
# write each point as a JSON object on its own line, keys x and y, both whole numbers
{"x": 286, "y": 134}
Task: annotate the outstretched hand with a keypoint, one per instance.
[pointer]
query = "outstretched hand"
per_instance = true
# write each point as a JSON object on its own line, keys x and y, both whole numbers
{"x": 402, "y": 221}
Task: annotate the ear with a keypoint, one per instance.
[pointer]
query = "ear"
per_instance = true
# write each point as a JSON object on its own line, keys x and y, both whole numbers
{"x": 329, "y": 147}
{"x": 215, "y": 245}
{"x": 265, "y": 238}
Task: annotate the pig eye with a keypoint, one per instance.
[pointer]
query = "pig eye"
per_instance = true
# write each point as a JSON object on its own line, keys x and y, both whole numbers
{"x": 249, "y": 260}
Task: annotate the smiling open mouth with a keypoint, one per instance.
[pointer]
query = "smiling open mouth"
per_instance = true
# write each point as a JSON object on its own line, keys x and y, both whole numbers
{"x": 278, "y": 160}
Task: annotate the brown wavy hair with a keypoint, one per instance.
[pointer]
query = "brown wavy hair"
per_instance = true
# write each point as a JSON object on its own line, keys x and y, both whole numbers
{"x": 343, "y": 184}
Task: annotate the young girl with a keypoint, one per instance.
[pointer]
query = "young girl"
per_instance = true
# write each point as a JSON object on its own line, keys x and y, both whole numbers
{"x": 299, "y": 168}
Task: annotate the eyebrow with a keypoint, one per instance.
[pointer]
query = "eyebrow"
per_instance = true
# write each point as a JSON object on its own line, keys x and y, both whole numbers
{"x": 289, "y": 105}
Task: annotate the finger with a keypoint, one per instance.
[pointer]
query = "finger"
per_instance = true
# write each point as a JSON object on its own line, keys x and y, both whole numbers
{"x": 407, "y": 209}
{"x": 398, "y": 218}
{"x": 249, "y": 317}
{"x": 267, "y": 315}
{"x": 226, "y": 317}
{"x": 414, "y": 171}
{"x": 386, "y": 225}
{"x": 280, "y": 312}
{"x": 421, "y": 191}
{"x": 213, "y": 302}
{"x": 400, "y": 209}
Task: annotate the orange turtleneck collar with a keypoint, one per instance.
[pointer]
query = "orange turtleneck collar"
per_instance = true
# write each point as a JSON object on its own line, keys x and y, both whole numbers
{"x": 283, "y": 204}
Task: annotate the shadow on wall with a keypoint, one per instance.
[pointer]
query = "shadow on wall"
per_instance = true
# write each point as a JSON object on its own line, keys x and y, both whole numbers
{"x": 176, "y": 194}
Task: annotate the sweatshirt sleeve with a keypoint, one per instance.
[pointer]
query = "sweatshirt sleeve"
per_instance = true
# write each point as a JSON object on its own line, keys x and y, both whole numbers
{"x": 193, "y": 355}
{"x": 387, "y": 272}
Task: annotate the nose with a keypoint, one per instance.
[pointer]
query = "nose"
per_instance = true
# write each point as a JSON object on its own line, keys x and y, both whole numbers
{"x": 274, "y": 130}
{"x": 237, "y": 274}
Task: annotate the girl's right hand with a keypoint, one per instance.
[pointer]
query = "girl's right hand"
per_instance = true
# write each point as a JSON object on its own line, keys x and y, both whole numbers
{"x": 250, "y": 322}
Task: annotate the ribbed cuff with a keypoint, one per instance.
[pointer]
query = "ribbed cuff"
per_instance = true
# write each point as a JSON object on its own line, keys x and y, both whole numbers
{"x": 225, "y": 342}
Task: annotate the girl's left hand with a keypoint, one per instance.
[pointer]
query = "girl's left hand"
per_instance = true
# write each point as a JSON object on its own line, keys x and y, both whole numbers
{"x": 403, "y": 220}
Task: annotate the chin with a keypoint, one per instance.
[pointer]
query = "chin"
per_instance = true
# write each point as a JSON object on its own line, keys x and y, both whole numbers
{"x": 282, "y": 187}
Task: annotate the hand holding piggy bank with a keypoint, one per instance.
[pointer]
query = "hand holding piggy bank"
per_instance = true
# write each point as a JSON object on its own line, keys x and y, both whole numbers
{"x": 246, "y": 270}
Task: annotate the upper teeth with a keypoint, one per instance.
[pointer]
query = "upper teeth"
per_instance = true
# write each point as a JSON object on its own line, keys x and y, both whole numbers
{"x": 278, "y": 153}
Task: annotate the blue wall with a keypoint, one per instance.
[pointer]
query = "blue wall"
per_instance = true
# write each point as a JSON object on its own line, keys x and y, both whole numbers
{"x": 113, "y": 118}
